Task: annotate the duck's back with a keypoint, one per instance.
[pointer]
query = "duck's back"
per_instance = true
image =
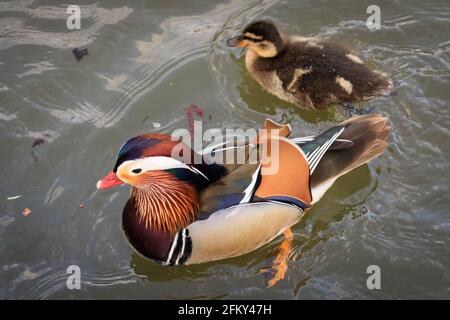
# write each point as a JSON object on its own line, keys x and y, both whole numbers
{"x": 313, "y": 74}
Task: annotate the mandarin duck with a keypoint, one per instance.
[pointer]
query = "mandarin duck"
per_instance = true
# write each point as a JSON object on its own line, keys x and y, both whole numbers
{"x": 308, "y": 72}
{"x": 182, "y": 212}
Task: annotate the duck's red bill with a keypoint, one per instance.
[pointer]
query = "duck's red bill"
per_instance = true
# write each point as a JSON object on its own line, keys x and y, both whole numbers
{"x": 109, "y": 181}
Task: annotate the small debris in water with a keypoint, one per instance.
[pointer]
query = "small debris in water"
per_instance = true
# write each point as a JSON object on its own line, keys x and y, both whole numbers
{"x": 36, "y": 142}
{"x": 26, "y": 212}
{"x": 14, "y": 197}
{"x": 156, "y": 125}
{"x": 81, "y": 205}
{"x": 145, "y": 119}
{"x": 80, "y": 53}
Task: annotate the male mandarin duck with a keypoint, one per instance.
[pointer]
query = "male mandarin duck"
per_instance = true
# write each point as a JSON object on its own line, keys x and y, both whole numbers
{"x": 180, "y": 213}
{"x": 308, "y": 72}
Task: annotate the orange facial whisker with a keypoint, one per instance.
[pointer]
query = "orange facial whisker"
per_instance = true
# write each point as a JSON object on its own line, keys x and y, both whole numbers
{"x": 165, "y": 203}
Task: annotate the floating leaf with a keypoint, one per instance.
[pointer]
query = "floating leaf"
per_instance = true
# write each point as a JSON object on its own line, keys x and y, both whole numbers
{"x": 26, "y": 212}
{"x": 80, "y": 53}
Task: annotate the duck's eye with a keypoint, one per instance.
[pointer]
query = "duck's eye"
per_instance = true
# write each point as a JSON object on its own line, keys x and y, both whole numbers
{"x": 136, "y": 171}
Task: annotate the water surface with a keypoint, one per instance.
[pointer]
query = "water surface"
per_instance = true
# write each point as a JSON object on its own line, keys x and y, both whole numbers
{"x": 148, "y": 61}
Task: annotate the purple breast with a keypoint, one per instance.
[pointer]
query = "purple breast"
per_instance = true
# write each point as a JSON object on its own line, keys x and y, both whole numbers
{"x": 151, "y": 243}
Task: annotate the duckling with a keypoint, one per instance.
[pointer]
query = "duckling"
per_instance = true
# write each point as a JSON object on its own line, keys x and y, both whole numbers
{"x": 308, "y": 72}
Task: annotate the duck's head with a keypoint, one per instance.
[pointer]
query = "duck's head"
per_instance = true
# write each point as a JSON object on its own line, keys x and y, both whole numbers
{"x": 149, "y": 160}
{"x": 262, "y": 37}
{"x": 165, "y": 178}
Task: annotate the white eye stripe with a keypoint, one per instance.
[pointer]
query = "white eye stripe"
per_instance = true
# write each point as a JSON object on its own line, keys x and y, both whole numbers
{"x": 155, "y": 163}
{"x": 159, "y": 163}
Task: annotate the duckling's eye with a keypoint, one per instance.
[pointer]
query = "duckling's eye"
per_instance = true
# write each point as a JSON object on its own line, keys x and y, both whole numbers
{"x": 136, "y": 171}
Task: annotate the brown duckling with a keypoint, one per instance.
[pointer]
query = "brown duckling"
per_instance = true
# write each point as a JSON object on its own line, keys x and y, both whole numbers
{"x": 308, "y": 72}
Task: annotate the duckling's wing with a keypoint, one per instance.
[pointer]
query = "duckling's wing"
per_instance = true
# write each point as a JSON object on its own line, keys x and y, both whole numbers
{"x": 320, "y": 73}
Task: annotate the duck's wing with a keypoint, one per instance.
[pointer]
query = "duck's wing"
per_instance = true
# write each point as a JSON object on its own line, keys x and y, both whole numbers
{"x": 281, "y": 172}
{"x": 243, "y": 169}
{"x": 316, "y": 164}
{"x": 254, "y": 203}
{"x": 230, "y": 190}
{"x": 338, "y": 144}
{"x": 360, "y": 139}
{"x": 236, "y": 141}
{"x": 330, "y": 155}
{"x": 275, "y": 199}
{"x": 316, "y": 149}
{"x": 369, "y": 135}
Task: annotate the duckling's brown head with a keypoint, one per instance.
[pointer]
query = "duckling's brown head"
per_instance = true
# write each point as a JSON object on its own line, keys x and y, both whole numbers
{"x": 262, "y": 37}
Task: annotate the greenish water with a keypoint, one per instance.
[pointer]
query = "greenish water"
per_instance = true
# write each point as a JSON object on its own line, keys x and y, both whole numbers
{"x": 148, "y": 61}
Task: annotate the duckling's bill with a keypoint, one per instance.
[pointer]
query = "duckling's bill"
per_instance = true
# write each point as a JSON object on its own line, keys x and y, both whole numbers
{"x": 236, "y": 42}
